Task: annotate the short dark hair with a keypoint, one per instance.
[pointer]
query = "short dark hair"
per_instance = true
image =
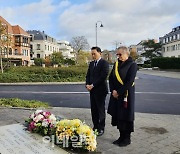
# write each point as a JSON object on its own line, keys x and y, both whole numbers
{"x": 98, "y": 49}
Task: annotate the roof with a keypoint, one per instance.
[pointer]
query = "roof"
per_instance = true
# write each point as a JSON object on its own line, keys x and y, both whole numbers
{"x": 174, "y": 31}
{"x": 38, "y": 35}
{"x": 13, "y": 29}
{"x": 18, "y": 30}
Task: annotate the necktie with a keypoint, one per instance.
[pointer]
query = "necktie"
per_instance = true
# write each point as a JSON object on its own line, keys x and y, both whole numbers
{"x": 95, "y": 63}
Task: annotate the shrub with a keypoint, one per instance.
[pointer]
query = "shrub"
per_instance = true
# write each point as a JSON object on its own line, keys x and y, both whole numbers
{"x": 166, "y": 62}
{"x": 40, "y": 74}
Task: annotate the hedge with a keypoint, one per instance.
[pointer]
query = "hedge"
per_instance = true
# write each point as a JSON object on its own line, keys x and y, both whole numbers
{"x": 40, "y": 74}
{"x": 166, "y": 62}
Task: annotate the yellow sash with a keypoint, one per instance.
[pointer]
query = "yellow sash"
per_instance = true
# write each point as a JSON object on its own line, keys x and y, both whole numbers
{"x": 118, "y": 76}
{"x": 117, "y": 73}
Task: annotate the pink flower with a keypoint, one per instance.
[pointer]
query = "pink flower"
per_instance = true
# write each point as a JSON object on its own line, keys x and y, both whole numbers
{"x": 31, "y": 126}
{"x": 46, "y": 114}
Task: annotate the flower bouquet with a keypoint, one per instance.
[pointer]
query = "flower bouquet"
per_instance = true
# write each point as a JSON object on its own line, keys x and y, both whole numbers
{"x": 76, "y": 135}
{"x": 42, "y": 122}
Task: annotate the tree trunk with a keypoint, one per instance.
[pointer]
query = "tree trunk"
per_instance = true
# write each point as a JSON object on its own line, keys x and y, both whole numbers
{"x": 1, "y": 65}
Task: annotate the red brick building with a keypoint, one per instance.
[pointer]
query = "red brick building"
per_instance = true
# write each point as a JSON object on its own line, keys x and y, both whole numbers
{"x": 18, "y": 51}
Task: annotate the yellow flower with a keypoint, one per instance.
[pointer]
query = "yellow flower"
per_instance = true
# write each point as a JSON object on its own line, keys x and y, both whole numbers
{"x": 76, "y": 122}
{"x": 68, "y": 128}
{"x": 64, "y": 122}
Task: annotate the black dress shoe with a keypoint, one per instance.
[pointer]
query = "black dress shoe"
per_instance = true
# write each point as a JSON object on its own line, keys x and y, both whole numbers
{"x": 100, "y": 132}
{"x": 125, "y": 142}
{"x": 116, "y": 142}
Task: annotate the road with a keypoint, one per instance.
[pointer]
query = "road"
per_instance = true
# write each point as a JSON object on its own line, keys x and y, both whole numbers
{"x": 154, "y": 94}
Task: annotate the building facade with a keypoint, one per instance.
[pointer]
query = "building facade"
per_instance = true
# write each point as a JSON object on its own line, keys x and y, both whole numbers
{"x": 17, "y": 49}
{"x": 140, "y": 49}
{"x": 42, "y": 45}
{"x": 66, "y": 49}
{"x": 171, "y": 43}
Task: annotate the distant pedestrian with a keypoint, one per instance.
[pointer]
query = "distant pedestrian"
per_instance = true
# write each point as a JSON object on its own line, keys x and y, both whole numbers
{"x": 96, "y": 84}
{"x": 122, "y": 88}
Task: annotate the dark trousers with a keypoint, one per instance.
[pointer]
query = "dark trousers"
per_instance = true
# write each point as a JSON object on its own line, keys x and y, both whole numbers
{"x": 98, "y": 110}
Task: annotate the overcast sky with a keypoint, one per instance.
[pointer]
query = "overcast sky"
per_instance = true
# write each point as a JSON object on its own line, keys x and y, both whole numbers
{"x": 125, "y": 21}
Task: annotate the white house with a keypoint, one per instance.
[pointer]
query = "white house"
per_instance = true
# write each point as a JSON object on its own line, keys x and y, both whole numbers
{"x": 171, "y": 43}
{"x": 140, "y": 50}
{"x": 66, "y": 49}
{"x": 43, "y": 45}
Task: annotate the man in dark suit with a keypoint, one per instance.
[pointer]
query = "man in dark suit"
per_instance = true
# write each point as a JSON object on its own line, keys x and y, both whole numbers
{"x": 96, "y": 84}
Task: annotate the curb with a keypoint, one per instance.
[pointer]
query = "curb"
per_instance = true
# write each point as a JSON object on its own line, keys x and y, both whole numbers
{"x": 24, "y": 108}
{"x": 42, "y": 83}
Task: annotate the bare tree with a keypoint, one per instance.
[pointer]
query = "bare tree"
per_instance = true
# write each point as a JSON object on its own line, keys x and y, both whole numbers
{"x": 79, "y": 43}
{"x": 5, "y": 43}
{"x": 2, "y": 43}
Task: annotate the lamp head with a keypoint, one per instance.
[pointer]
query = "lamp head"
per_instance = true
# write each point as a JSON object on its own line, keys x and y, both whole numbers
{"x": 101, "y": 25}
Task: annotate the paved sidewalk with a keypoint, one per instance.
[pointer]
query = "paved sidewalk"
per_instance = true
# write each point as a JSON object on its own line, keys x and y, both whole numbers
{"x": 169, "y": 74}
{"x": 154, "y": 133}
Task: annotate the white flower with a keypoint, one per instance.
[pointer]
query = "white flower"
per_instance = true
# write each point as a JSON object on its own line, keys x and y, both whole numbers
{"x": 52, "y": 118}
{"x": 32, "y": 116}
{"x": 37, "y": 118}
{"x": 38, "y": 111}
{"x": 45, "y": 123}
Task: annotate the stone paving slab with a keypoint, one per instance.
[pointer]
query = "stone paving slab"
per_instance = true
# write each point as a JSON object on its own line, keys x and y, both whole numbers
{"x": 154, "y": 133}
{"x": 15, "y": 140}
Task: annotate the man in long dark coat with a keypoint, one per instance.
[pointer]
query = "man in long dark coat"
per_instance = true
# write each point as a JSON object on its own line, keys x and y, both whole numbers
{"x": 97, "y": 85}
{"x": 121, "y": 104}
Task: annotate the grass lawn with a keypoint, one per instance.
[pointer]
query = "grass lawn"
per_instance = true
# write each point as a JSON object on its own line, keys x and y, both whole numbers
{"x": 16, "y": 102}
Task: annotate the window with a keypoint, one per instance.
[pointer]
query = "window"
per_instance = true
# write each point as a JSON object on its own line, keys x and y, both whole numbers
{"x": 166, "y": 39}
{"x": 24, "y": 52}
{"x": 31, "y": 38}
{"x": 173, "y": 47}
{"x": 17, "y": 39}
{"x": 10, "y": 51}
{"x": 38, "y": 46}
{"x": 16, "y": 52}
{"x": 176, "y": 47}
{"x": 163, "y": 49}
{"x": 45, "y": 47}
{"x": 170, "y": 38}
{"x": 178, "y": 36}
{"x": 31, "y": 56}
{"x": 38, "y": 56}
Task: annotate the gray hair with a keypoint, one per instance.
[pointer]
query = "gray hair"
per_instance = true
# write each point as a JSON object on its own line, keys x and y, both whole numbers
{"x": 124, "y": 49}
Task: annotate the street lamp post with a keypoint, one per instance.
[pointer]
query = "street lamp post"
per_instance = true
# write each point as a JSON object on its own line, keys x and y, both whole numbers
{"x": 96, "y": 29}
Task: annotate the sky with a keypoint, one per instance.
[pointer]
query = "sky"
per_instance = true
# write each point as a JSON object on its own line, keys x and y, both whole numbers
{"x": 125, "y": 22}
